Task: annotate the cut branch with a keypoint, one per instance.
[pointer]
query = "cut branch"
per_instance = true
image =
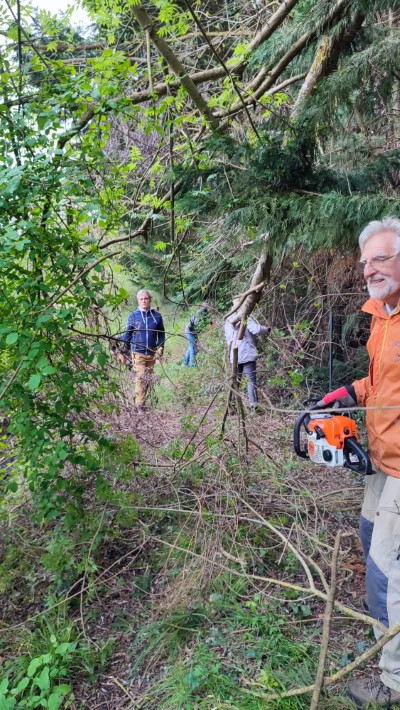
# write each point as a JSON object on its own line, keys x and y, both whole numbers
{"x": 260, "y": 278}
{"x": 319, "y": 681}
{"x": 174, "y": 63}
{"x": 269, "y": 28}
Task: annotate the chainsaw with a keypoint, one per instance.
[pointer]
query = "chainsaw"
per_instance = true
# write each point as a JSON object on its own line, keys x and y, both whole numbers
{"x": 331, "y": 440}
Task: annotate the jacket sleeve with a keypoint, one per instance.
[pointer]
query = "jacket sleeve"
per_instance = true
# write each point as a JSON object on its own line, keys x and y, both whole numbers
{"x": 255, "y": 328}
{"x": 229, "y": 332}
{"x": 127, "y": 336}
{"x": 160, "y": 334}
{"x": 362, "y": 389}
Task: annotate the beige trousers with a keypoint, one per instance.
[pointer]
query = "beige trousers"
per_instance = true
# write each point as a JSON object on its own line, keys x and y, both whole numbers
{"x": 142, "y": 366}
{"x": 380, "y": 535}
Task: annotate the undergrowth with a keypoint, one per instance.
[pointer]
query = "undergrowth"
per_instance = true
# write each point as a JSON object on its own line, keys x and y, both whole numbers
{"x": 160, "y": 583}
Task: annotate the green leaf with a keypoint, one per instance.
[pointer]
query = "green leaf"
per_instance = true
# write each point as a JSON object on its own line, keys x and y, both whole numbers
{"x": 57, "y": 696}
{"x": 12, "y": 185}
{"x": 43, "y": 681}
{"x": 49, "y": 370}
{"x": 102, "y": 359}
{"x": 44, "y": 318}
{"x": 12, "y": 338}
{"x": 34, "y": 665}
{"x": 62, "y": 454}
{"x": 34, "y": 381}
{"x": 64, "y": 647}
{"x": 20, "y": 246}
{"x": 13, "y": 486}
{"x": 41, "y": 121}
{"x": 160, "y": 246}
{"x": 21, "y": 686}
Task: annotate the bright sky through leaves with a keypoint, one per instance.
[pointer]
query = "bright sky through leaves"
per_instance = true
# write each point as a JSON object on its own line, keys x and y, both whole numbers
{"x": 79, "y": 16}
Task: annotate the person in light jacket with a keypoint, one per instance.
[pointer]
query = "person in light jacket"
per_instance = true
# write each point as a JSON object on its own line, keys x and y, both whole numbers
{"x": 247, "y": 352}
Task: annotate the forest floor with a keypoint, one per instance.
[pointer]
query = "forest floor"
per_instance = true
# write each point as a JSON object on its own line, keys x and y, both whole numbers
{"x": 192, "y": 580}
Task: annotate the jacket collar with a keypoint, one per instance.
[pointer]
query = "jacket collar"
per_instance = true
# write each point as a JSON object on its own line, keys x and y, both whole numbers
{"x": 376, "y": 308}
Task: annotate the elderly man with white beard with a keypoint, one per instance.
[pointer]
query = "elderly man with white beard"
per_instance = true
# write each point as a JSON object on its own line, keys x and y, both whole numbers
{"x": 379, "y": 393}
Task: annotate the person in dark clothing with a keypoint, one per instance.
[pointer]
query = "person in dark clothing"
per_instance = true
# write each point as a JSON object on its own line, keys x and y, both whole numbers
{"x": 146, "y": 336}
{"x": 198, "y": 322}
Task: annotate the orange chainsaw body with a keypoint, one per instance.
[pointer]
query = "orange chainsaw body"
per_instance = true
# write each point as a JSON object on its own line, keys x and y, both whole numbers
{"x": 331, "y": 440}
{"x": 336, "y": 429}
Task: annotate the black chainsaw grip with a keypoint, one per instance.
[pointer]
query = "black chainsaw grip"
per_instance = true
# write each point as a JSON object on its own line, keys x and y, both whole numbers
{"x": 303, "y": 453}
{"x": 364, "y": 464}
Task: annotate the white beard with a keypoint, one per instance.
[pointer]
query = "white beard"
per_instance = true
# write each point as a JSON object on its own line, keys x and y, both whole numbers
{"x": 382, "y": 289}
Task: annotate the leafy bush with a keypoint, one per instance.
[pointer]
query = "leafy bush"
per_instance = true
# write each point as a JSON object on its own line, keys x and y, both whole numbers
{"x": 36, "y": 682}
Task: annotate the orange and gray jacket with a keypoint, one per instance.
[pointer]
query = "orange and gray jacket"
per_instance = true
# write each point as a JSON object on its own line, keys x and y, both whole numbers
{"x": 379, "y": 392}
{"x": 145, "y": 331}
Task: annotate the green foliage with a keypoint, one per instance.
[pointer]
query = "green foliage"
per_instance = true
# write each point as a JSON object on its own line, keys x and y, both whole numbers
{"x": 54, "y": 280}
{"x": 37, "y": 681}
{"x": 218, "y": 660}
{"x": 89, "y": 157}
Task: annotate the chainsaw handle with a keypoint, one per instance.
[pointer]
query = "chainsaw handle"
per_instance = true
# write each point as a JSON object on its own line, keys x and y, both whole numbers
{"x": 303, "y": 453}
{"x": 364, "y": 464}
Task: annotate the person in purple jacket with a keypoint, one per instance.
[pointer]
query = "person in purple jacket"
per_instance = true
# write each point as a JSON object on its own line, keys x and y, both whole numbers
{"x": 247, "y": 352}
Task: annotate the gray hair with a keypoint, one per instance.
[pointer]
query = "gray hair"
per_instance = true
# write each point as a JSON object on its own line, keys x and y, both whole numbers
{"x": 387, "y": 224}
{"x": 143, "y": 291}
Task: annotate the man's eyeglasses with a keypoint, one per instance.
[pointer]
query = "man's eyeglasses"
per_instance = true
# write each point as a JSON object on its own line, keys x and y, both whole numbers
{"x": 376, "y": 261}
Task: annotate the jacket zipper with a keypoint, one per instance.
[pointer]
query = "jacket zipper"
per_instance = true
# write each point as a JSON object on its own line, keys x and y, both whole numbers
{"x": 383, "y": 345}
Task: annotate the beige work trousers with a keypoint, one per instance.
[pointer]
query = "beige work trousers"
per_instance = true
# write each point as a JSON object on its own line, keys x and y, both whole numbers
{"x": 381, "y": 514}
{"x": 142, "y": 366}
